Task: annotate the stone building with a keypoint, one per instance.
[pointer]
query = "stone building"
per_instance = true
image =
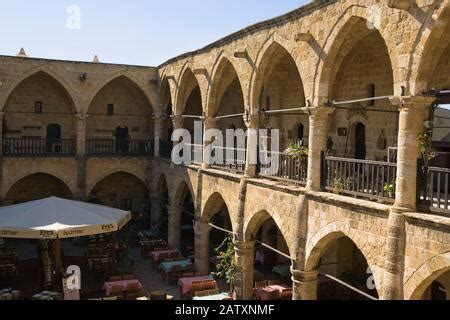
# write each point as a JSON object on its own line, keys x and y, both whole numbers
{"x": 355, "y": 80}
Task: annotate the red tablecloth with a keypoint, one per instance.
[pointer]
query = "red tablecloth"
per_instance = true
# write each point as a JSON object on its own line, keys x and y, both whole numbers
{"x": 263, "y": 293}
{"x": 124, "y": 283}
{"x": 186, "y": 283}
{"x": 156, "y": 254}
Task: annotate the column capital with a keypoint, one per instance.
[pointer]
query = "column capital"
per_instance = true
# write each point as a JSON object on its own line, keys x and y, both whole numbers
{"x": 81, "y": 116}
{"x": 209, "y": 122}
{"x": 172, "y": 209}
{"x": 300, "y": 276}
{"x": 251, "y": 120}
{"x": 243, "y": 247}
{"x": 411, "y": 102}
{"x": 320, "y": 111}
{"x": 201, "y": 226}
{"x": 158, "y": 117}
{"x": 177, "y": 121}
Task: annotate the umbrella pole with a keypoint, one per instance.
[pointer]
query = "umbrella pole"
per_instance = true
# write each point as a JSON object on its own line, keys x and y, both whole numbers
{"x": 113, "y": 253}
{"x": 58, "y": 258}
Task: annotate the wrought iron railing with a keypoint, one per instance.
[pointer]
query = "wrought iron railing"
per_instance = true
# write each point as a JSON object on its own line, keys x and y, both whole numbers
{"x": 230, "y": 159}
{"x": 126, "y": 148}
{"x": 369, "y": 179}
{"x": 433, "y": 189}
{"x": 283, "y": 166}
{"x": 37, "y": 147}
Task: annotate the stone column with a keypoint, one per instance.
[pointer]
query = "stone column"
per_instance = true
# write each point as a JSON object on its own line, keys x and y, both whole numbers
{"x": 174, "y": 213}
{"x": 156, "y": 210}
{"x": 209, "y": 123}
{"x": 413, "y": 113}
{"x": 158, "y": 121}
{"x": 245, "y": 263}
{"x": 2, "y": 116}
{"x": 304, "y": 284}
{"x": 318, "y": 135}
{"x": 81, "y": 120}
{"x": 252, "y": 123}
{"x": 202, "y": 230}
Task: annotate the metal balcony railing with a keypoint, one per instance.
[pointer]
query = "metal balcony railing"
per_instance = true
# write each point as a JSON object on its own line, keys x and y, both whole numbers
{"x": 123, "y": 148}
{"x": 38, "y": 147}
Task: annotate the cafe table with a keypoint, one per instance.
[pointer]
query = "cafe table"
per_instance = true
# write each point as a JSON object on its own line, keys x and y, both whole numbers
{"x": 186, "y": 283}
{"x": 123, "y": 284}
{"x": 166, "y": 267}
{"x": 266, "y": 292}
{"x": 155, "y": 255}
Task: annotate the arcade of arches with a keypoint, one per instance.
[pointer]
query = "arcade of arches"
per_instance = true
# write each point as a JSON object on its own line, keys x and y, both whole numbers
{"x": 355, "y": 93}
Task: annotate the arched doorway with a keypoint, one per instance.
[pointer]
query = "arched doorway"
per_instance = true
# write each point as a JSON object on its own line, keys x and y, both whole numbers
{"x": 35, "y": 187}
{"x": 216, "y": 213}
{"x": 120, "y": 111}
{"x": 40, "y": 93}
{"x": 338, "y": 256}
{"x": 125, "y": 191}
{"x": 439, "y": 288}
{"x": 164, "y": 203}
{"x": 360, "y": 141}
{"x": 181, "y": 221}
{"x": 278, "y": 85}
{"x": 269, "y": 266}
{"x": 358, "y": 66}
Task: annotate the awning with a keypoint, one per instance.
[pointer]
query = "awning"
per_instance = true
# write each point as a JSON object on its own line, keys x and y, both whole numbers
{"x": 53, "y": 218}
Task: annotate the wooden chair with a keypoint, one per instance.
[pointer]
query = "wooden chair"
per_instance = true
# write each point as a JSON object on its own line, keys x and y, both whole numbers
{"x": 274, "y": 282}
{"x": 116, "y": 291}
{"x": 196, "y": 286}
{"x": 286, "y": 294}
{"x": 213, "y": 292}
{"x": 210, "y": 285}
{"x": 175, "y": 273}
{"x": 272, "y": 296}
{"x": 115, "y": 278}
{"x": 203, "y": 293}
{"x": 261, "y": 284}
{"x": 187, "y": 274}
{"x": 129, "y": 277}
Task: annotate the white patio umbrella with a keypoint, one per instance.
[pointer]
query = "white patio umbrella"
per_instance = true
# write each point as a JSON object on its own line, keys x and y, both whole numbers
{"x": 55, "y": 218}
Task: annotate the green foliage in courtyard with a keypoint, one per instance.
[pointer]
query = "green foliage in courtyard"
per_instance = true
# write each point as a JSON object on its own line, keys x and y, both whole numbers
{"x": 226, "y": 267}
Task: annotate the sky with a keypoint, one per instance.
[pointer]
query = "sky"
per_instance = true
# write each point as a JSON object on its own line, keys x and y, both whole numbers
{"x": 137, "y": 32}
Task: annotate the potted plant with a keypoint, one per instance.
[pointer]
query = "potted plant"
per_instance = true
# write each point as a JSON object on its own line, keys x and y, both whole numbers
{"x": 389, "y": 189}
{"x": 425, "y": 140}
{"x": 299, "y": 153}
{"x": 226, "y": 266}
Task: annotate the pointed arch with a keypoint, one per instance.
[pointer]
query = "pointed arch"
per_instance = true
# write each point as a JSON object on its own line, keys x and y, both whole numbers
{"x": 55, "y": 185}
{"x": 51, "y": 74}
{"x": 187, "y": 84}
{"x": 116, "y": 76}
{"x": 107, "y": 173}
{"x": 183, "y": 189}
{"x": 224, "y": 74}
{"x": 350, "y": 28}
{"x": 320, "y": 242}
{"x": 432, "y": 44}
{"x": 255, "y": 223}
{"x": 422, "y": 278}
{"x": 275, "y": 52}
